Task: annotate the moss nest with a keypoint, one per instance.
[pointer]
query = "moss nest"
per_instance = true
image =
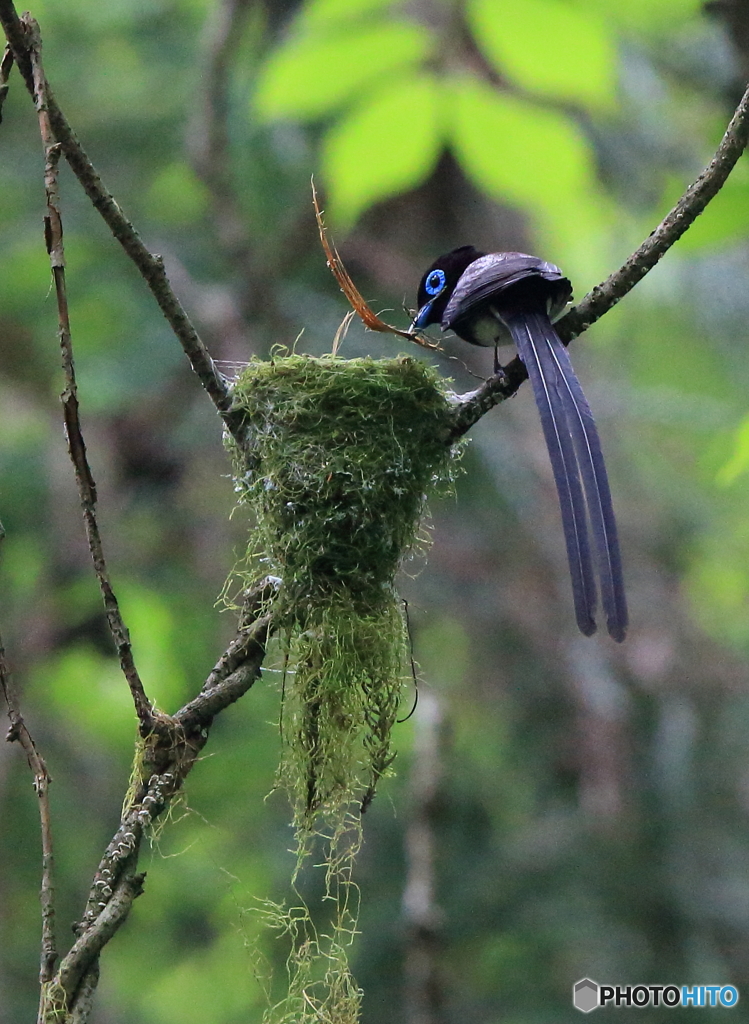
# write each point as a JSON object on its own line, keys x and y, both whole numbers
{"x": 339, "y": 460}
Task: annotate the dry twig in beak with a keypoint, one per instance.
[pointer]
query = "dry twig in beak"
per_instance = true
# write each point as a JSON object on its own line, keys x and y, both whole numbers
{"x": 367, "y": 315}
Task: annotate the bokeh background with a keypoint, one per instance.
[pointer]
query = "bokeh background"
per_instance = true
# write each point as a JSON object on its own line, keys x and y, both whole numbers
{"x": 588, "y": 803}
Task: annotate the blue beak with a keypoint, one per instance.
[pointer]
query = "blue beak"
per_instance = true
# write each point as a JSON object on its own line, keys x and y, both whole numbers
{"x": 419, "y": 321}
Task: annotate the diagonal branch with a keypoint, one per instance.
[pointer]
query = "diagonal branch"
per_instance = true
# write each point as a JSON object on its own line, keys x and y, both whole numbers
{"x": 69, "y": 397}
{"x": 83, "y": 956}
{"x": 671, "y": 228}
{"x": 167, "y": 757}
{"x": 151, "y": 266}
{"x": 601, "y": 299}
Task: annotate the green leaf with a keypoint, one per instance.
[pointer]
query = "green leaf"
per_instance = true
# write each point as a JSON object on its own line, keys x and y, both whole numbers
{"x": 548, "y": 47}
{"x": 387, "y": 145}
{"x": 310, "y": 76}
{"x": 538, "y": 160}
{"x": 517, "y": 150}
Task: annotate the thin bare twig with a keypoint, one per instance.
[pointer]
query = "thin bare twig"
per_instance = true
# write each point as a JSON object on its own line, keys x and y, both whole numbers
{"x": 151, "y": 266}
{"x": 360, "y": 306}
{"x": 605, "y": 295}
{"x": 18, "y": 732}
{"x": 69, "y": 397}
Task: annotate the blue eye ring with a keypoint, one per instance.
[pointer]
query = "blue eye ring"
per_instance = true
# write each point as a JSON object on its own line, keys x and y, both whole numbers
{"x": 435, "y": 282}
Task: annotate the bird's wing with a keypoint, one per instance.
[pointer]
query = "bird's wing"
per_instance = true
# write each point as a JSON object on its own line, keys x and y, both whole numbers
{"x": 489, "y": 276}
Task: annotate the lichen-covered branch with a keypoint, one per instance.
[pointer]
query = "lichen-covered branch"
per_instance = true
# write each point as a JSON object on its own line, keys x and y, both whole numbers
{"x": 85, "y": 951}
{"x": 165, "y": 759}
{"x": 605, "y": 295}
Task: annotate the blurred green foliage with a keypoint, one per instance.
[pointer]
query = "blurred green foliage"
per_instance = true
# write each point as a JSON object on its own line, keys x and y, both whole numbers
{"x": 543, "y": 50}
{"x": 593, "y": 809}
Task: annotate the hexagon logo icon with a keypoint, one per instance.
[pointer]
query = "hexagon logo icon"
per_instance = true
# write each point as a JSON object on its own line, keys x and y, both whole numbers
{"x": 585, "y": 995}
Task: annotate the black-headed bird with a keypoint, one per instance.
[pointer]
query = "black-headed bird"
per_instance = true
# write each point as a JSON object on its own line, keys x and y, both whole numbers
{"x": 490, "y": 299}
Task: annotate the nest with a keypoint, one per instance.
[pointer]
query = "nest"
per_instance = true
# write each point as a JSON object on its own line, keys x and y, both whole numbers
{"x": 340, "y": 458}
{"x": 339, "y": 461}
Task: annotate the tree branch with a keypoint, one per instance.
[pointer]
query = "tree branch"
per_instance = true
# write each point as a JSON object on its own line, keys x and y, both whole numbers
{"x": 18, "y": 732}
{"x": 151, "y": 266}
{"x": 76, "y": 445}
{"x": 85, "y": 951}
{"x": 170, "y": 745}
{"x": 601, "y": 299}
{"x": 213, "y": 699}
{"x": 166, "y": 758}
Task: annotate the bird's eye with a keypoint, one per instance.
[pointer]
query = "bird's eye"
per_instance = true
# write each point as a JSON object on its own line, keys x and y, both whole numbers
{"x": 435, "y": 282}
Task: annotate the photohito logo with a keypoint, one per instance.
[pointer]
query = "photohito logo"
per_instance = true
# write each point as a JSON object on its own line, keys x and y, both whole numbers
{"x": 588, "y": 995}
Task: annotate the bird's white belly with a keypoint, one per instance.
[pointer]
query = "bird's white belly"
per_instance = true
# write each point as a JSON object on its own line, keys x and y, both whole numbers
{"x": 490, "y": 331}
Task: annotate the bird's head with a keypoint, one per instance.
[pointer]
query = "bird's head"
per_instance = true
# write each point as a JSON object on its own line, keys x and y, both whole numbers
{"x": 438, "y": 283}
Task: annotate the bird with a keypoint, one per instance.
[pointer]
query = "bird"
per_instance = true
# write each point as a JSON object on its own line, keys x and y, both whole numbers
{"x": 494, "y": 298}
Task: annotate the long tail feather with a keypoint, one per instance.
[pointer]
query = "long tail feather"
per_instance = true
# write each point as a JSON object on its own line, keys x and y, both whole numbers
{"x": 596, "y": 484}
{"x": 559, "y": 376}
{"x": 564, "y": 467}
